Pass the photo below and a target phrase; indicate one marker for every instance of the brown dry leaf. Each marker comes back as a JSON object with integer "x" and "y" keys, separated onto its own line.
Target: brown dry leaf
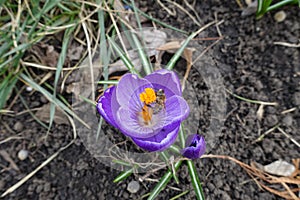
{"x": 169, "y": 46}
{"x": 46, "y": 54}
{"x": 7, "y": 157}
{"x": 44, "y": 115}
{"x": 75, "y": 52}
{"x": 51, "y": 56}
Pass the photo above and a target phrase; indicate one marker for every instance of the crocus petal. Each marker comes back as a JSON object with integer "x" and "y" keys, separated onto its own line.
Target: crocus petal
{"x": 195, "y": 147}
{"x": 106, "y": 105}
{"x": 166, "y": 80}
{"x": 129, "y": 124}
{"x": 177, "y": 109}
{"x": 129, "y": 89}
{"x": 161, "y": 141}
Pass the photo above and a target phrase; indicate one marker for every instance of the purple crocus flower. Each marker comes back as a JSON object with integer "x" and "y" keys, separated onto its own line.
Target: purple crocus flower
{"x": 149, "y": 110}
{"x": 195, "y": 146}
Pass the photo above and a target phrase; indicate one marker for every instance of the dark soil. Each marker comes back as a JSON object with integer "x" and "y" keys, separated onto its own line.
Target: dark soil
{"x": 252, "y": 66}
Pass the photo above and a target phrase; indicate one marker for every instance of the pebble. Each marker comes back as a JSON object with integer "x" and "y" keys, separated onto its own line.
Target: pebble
{"x": 2, "y": 184}
{"x": 39, "y": 189}
{"x": 297, "y": 98}
{"x": 18, "y": 126}
{"x": 23, "y": 154}
{"x": 280, "y": 168}
{"x": 271, "y": 120}
{"x": 133, "y": 187}
{"x": 28, "y": 89}
{"x": 44, "y": 100}
{"x": 288, "y": 120}
{"x": 125, "y": 195}
{"x": 47, "y": 187}
{"x": 259, "y": 85}
{"x": 280, "y": 16}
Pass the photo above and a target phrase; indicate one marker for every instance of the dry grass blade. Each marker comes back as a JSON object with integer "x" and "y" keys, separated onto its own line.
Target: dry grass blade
{"x": 7, "y": 157}
{"x": 289, "y": 137}
{"x": 185, "y": 11}
{"x": 287, "y": 44}
{"x": 262, "y": 178}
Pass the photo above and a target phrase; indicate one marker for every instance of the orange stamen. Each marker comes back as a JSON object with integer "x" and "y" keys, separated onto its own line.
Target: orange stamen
{"x": 147, "y": 114}
{"x": 148, "y": 96}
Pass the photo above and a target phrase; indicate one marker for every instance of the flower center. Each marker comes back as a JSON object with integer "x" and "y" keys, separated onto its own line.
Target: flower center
{"x": 148, "y": 96}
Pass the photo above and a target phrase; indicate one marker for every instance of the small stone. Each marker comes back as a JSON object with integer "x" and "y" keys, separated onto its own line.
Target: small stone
{"x": 271, "y": 120}
{"x": 280, "y": 168}
{"x": 125, "y": 195}
{"x": 280, "y": 16}
{"x": 2, "y": 184}
{"x": 44, "y": 100}
{"x": 22, "y": 154}
{"x": 259, "y": 85}
{"x": 297, "y": 98}
{"x": 28, "y": 89}
{"x": 133, "y": 187}
{"x": 47, "y": 187}
{"x": 288, "y": 120}
{"x": 39, "y": 189}
{"x": 18, "y": 126}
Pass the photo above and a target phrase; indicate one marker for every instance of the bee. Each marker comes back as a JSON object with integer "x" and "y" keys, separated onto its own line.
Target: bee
{"x": 152, "y": 108}
{"x": 160, "y": 102}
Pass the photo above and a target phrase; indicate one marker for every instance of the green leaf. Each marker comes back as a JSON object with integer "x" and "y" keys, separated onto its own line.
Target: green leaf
{"x": 123, "y": 175}
{"x": 59, "y": 67}
{"x": 123, "y": 57}
{"x": 50, "y": 97}
{"x": 178, "y": 53}
{"x": 195, "y": 180}
{"x": 163, "y": 182}
{"x": 145, "y": 61}
{"x": 110, "y": 82}
{"x": 6, "y": 87}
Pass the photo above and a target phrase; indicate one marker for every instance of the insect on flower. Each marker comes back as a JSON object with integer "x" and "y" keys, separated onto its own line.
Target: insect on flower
{"x": 149, "y": 110}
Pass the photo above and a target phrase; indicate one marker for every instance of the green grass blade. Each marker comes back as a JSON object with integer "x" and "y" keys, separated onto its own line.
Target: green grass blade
{"x": 282, "y": 3}
{"x": 175, "y": 149}
{"x": 30, "y": 112}
{"x": 121, "y": 162}
{"x": 123, "y": 175}
{"x": 123, "y": 57}
{"x": 109, "y": 82}
{"x": 253, "y": 101}
{"x": 49, "y": 96}
{"x": 99, "y": 128}
{"x": 195, "y": 180}
{"x": 163, "y": 182}
{"x": 180, "y": 195}
{"x": 182, "y": 136}
{"x": 145, "y": 61}
{"x": 49, "y": 4}
{"x": 178, "y": 53}
{"x": 60, "y": 64}
{"x": 6, "y": 88}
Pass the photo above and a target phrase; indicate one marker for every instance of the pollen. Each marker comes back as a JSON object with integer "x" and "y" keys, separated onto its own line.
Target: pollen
{"x": 147, "y": 115}
{"x": 148, "y": 96}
